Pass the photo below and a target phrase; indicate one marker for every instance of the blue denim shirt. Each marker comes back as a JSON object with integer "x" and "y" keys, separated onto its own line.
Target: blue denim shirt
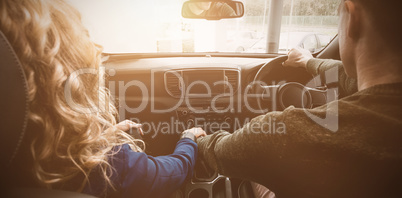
{"x": 137, "y": 174}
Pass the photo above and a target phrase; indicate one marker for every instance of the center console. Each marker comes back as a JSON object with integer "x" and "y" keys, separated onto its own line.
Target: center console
{"x": 207, "y": 95}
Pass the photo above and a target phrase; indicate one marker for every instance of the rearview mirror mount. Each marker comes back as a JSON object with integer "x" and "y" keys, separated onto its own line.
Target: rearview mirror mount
{"x": 212, "y": 9}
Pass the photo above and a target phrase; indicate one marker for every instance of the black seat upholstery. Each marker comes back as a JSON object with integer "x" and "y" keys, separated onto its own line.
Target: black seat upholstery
{"x": 44, "y": 193}
{"x": 13, "y": 123}
{"x": 14, "y": 103}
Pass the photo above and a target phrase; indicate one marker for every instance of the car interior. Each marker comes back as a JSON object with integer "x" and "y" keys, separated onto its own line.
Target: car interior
{"x": 154, "y": 88}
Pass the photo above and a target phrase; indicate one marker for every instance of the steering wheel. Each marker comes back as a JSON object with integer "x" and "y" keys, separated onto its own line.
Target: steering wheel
{"x": 287, "y": 87}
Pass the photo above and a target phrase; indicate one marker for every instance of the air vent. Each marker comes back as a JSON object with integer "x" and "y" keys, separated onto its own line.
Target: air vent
{"x": 233, "y": 79}
{"x": 172, "y": 83}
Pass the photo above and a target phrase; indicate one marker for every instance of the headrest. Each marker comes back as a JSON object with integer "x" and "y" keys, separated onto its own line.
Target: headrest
{"x": 13, "y": 103}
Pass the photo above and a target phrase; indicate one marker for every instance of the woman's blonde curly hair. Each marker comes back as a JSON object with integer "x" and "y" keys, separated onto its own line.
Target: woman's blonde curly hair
{"x": 52, "y": 43}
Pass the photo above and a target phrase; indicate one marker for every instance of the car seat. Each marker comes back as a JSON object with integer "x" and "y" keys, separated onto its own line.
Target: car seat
{"x": 13, "y": 124}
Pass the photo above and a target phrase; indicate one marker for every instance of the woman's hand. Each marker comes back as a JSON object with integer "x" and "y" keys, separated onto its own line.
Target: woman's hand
{"x": 197, "y": 131}
{"x": 128, "y": 124}
{"x": 298, "y": 57}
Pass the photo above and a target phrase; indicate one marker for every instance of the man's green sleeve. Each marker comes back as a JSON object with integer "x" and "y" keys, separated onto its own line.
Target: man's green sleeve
{"x": 346, "y": 85}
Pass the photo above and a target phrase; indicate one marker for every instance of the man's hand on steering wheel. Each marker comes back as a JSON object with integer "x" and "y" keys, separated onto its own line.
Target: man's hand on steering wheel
{"x": 298, "y": 57}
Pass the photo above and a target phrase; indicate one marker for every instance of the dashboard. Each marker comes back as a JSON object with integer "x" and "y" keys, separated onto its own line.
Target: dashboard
{"x": 171, "y": 94}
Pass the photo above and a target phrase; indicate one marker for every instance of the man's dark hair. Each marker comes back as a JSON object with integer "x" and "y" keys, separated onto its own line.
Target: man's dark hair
{"x": 385, "y": 16}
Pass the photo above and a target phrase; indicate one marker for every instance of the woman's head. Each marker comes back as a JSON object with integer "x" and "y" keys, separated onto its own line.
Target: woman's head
{"x": 52, "y": 43}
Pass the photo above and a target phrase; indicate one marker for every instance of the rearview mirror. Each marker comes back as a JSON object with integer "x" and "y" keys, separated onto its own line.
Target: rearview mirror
{"x": 212, "y": 10}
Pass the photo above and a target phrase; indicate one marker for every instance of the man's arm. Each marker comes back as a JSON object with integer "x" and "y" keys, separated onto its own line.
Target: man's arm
{"x": 299, "y": 57}
{"x": 285, "y": 151}
{"x": 248, "y": 151}
{"x": 277, "y": 150}
{"x": 346, "y": 85}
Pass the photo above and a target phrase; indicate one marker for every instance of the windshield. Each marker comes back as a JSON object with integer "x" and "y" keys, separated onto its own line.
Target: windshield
{"x": 137, "y": 26}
